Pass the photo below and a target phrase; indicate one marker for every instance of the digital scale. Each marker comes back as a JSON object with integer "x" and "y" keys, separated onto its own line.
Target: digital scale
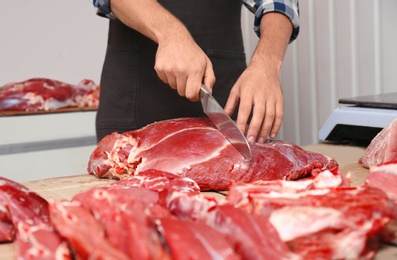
{"x": 357, "y": 120}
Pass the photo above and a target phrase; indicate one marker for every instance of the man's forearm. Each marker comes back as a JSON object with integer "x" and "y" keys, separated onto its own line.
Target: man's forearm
{"x": 149, "y": 18}
{"x": 275, "y": 34}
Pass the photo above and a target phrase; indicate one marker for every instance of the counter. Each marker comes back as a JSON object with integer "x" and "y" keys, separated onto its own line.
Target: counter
{"x": 66, "y": 187}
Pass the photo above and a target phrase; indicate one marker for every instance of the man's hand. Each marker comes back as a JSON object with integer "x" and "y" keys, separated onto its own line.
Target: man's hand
{"x": 182, "y": 64}
{"x": 258, "y": 90}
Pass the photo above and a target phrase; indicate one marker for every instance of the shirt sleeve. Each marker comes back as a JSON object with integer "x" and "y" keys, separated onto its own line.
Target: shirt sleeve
{"x": 103, "y": 8}
{"x": 289, "y": 8}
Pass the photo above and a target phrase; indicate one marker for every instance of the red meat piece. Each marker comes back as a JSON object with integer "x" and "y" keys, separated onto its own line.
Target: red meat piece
{"x": 163, "y": 183}
{"x": 82, "y": 231}
{"x": 120, "y": 210}
{"x": 322, "y": 223}
{"x": 252, "y": 236}
{"x": 383, "y": 148}
{"x": 384, "y": 177}
{"x": 194, "y": 148}
{"x": 195, "y": 240}
{"x": 41, "y": 94}
{"x": 29, "y": 215}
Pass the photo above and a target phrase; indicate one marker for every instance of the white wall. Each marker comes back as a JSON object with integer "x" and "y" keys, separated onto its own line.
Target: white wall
{"x": 59, "y": 39}
{"x": 346, "y": 48}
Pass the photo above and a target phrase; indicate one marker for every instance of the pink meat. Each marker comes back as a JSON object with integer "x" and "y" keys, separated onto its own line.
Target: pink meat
{"x": 322, "y": 222}
{"x": 28, "y": 214}
{"x": 383, "y": 148}
{"x": 194, "y": 148}
{"x": 164, "y": 183}
{"x": 7, "y": 232}
{"x": 41, "y": 94}
{"x": 252, "y": 236}
{"x": 82, "y": 231}
{"x": 384, "y": 177}
{"x": 195, "y": 240}
{"x": 120, "y": 210}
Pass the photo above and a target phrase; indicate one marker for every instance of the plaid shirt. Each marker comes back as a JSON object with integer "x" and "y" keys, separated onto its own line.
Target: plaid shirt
{"x": 289, "y": 8}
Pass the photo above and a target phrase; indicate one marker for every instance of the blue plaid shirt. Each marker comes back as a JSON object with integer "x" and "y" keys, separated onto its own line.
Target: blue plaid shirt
{"x": 289, "y": 8}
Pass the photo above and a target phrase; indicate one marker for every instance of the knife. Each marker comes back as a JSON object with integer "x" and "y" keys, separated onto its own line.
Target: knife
{"x": 224, "y": 123}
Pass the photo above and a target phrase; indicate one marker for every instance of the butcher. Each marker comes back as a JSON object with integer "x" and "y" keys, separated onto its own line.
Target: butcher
{"x": 184, "y": 43}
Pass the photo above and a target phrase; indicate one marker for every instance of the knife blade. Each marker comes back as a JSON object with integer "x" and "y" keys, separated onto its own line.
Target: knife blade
{"x": 224, "y": 123}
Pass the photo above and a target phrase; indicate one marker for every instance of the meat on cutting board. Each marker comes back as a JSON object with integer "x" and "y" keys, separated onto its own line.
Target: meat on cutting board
{"x": 194, "y": 148}
{"x": 315, "y": 218}
{"x": 82, "y": 231}
{"x": 42, "y": 94}
{"x": 121, "y": 212}
{"x": 383, "y": 148}
{"x": 384, "y": 177}
{"x": 199, "y": 240}
{"x": 322, "y": 222}
{"x": 252, "y": 236}
{"x": 28, "y": 214}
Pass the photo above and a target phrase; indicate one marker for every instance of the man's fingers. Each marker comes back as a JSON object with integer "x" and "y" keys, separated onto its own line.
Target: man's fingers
{"x": 278, "y": 120}
{"x": 181, "y": 86}
{"x": 243, "y": 114}
{"x": 231, "y": 103}
{"x": 256, "y": 125}
{"x": 193, "y": 85}
{"x": 209, "y": 76}
{"x": 267, "y": 124}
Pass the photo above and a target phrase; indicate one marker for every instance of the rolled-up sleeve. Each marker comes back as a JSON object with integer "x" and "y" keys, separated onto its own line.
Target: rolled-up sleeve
{"x": 103, "y": 8}
{"x": 289, "y": 8}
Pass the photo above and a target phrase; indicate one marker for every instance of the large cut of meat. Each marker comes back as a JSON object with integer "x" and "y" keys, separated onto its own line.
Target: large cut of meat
{"x": 321, "y": 222}
{"x": 42, "y": 94}
{"x": 194, "y": 148}
{"x": 383, "y": 148}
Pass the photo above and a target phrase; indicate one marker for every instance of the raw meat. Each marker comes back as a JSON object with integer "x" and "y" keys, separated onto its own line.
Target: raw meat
{"x": 383, "y": 148}
{"x": 42, "y": 94}
{"x": 158, "y": 215}
{"x": 164, "y": 183}
{"x": 194, "y": 148}
{"x": 320, "y": 222}
{"x": 82, "y": 231}
{"x": 28, "y": 214}
{"x": 252, "y": 236}
{"x": 384, "y": 177}
{"x": 120, "y": 210}
{"x": 195, "y": 240}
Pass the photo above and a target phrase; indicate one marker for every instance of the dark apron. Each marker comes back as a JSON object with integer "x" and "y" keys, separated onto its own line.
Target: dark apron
{"x": 132, "y": 95}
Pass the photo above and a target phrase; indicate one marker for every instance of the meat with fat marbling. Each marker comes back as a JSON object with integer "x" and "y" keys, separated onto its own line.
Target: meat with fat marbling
{"x": 42, "y": 94}
{"x": 321, "y": 222}
{"x": 194, "y": 148}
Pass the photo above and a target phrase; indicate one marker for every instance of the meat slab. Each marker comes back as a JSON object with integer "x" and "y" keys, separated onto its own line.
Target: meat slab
{"x": 321, "y": 222}
{"x": 383, "y": 148}
{"x": 42, "y": 94}
{"x": 194, "y": 148}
